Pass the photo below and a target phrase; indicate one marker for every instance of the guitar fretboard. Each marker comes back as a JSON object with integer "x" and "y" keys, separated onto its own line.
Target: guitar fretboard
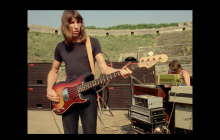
{"x": 102, "y": 79}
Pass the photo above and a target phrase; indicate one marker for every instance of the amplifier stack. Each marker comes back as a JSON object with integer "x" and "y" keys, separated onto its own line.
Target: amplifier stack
{"x": 117, "y": 94}
{"x": 148, "y": 115}
{"x": 37, "y": 86}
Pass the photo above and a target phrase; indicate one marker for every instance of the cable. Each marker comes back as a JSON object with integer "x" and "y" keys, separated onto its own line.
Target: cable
{"x": 136, "y": 79}
{"x": 55, "y": 122}
{"x": 173, "y": 103}
{"x": 125, "y": 129}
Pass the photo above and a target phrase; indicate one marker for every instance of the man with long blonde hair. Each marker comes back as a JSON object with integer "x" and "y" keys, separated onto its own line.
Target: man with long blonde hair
{"x": 74, "y": 54}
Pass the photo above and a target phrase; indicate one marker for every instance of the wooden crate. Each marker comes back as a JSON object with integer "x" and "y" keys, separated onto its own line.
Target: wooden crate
{"x": 37, "y": 98}
{"x": 37, "y": 73}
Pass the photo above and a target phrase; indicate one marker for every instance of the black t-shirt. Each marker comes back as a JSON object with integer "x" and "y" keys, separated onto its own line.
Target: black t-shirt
{"x": 76, "y": 58}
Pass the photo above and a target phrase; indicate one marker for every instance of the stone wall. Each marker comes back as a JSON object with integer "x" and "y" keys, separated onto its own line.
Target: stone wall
{"x": 163, "y": 69}
{"x": 123, "y": 56}
{"x": 94, "y": 32}
{"x": 43, "y": 29}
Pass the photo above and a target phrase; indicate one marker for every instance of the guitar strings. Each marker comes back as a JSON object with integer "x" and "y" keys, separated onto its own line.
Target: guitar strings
{"x": 90, "y": 84}
{"x": 73, "y": 89}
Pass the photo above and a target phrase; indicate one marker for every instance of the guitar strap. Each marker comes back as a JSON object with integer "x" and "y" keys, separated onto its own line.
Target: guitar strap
{"x": 89, "y": 52}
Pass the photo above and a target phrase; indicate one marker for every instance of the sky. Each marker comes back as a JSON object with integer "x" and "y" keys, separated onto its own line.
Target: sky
{"x": 107, "y": 18}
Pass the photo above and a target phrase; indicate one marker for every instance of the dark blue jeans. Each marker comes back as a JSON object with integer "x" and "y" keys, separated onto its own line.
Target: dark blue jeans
{"x": 87, "y": 112}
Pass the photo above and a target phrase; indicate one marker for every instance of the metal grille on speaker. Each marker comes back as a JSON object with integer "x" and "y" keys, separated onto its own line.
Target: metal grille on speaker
{"x": 37, "y": 86}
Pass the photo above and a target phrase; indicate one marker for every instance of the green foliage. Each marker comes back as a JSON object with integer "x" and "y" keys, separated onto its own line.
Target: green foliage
{"x": 135, "y": 26}
{"x": 42, "y": 45}
{"x": 37, "y": 33}
{"x": 90, "y": 27}
{"x": 181, "y": 62}
{"x": 37, "y": 54}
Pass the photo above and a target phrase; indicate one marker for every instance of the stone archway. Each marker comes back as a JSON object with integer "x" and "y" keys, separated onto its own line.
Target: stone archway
{"x": 56, "y": 32}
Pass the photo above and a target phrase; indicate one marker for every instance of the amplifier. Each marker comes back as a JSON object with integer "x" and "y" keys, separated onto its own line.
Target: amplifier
{"x": 153, "y": 119}
{"x": 142, "y": 74}
{"x": 183, "y": 116}
{"x": 117, "y": 96}
{"x": 37, "y": 73}
{"x": 149, "y": 112}
{"x": 146, "y": 128}
{"x": 148, "y": 101}
{"x": 169, "y": 79}
{"x": 183, "y": 94}
{"x": 37, "y": 98}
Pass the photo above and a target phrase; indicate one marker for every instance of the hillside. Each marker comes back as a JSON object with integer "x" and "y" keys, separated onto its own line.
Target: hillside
{"x": 41, "y": 46}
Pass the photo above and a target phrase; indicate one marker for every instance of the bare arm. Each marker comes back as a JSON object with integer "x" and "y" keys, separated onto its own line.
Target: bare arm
{"x": 106, "y": 70}
{"x": 186, "y": 78}
{"x": 51, "y": 80}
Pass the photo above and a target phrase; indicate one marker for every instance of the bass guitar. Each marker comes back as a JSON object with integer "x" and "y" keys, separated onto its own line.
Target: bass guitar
{"x": 70, "y": 93}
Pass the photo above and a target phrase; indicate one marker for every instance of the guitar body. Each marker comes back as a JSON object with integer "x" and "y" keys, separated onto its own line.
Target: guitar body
{"x": 68, "y": 94}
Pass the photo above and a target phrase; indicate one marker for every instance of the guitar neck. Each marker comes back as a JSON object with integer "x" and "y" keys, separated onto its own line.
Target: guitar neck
{"x": 103, "y": 79}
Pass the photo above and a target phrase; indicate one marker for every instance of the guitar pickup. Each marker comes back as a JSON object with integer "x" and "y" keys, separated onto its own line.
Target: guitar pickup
{"x": 65, "y": 94}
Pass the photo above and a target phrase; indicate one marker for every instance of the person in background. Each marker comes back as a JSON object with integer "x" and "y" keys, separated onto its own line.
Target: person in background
{"x": 176, "y": 68}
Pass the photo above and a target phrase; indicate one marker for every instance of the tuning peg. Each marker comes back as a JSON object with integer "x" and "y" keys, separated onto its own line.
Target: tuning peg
{"x": 150, "y": 53}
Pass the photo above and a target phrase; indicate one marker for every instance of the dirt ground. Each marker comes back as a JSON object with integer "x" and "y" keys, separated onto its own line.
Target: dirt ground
{"x": 42, "y": 122}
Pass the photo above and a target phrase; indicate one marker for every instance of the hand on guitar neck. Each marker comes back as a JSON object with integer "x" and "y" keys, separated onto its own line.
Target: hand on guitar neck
{"x": 125, "y": 71}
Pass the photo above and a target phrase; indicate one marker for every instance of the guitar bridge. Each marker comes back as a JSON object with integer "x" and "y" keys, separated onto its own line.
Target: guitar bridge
{"x": 65, "y": 94}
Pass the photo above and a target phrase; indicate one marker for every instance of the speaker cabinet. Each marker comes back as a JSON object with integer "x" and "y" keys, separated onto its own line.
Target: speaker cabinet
{"x": 117, "y": 97}
{"x": 37, "y": 73}
{"x": 37, "y": 98}
{"x": 142, "y": 74}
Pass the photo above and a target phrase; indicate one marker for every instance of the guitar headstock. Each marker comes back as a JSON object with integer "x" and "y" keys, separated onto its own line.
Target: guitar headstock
{"x": 152, "y": 60}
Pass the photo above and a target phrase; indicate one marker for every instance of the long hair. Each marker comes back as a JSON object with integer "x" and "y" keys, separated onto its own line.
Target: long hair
{"x": 175, "y": 66}
{"x": 67, "y": 32}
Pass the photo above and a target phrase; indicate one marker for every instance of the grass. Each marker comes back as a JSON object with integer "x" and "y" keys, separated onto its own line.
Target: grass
{"x": 41, "y": 46}
{"x": 113, "y": 46}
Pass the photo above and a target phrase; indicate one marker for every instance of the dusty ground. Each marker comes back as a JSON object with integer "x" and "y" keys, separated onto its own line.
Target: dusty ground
{"x": 42, "y": 122}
